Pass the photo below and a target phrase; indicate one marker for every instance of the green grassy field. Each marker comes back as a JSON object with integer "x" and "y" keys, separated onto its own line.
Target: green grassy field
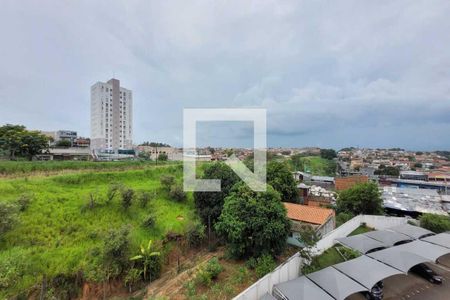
{"x": 319, "y": 166}
{"x": 20, "y": 168}
{"x": 55, "y": 235}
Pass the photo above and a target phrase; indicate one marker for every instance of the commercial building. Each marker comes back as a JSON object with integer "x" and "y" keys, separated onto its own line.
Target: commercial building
{"x": 111, "y": 116}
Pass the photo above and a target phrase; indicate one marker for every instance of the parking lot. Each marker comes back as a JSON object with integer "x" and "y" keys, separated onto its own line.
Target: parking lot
{"x": 413, "y": 287}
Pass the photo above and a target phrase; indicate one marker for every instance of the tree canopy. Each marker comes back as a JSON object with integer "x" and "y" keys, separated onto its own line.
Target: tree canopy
{"x": 280, "y": 178}
{"x": 253, "y": 223}
{"x": 328, "y": 153}
{"x": 18, "y": 141}
{"x": 363, "y": 198}
{"x": 209, "y": 204}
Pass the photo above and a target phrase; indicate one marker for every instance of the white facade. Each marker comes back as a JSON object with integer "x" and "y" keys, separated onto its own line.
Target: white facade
{"x": 111, "y": 116}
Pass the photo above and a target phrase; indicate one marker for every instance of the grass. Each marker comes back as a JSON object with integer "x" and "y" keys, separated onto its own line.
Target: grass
{"x": 361, "y": 229}
{"x": 19, "y": 168}
{"x": 317, "y": 165}
{"x": 55, "y": 235}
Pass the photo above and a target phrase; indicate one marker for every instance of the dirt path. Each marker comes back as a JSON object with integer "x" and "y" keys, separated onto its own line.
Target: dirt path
{"x": 170, "y": 284}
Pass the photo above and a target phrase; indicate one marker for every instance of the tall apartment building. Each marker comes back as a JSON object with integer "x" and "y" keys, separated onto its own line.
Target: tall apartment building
{"x": 111, "y": 116}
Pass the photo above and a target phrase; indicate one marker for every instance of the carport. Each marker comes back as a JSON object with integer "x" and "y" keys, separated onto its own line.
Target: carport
{"x": 300, "y": 288}
{"x": 441, "y": 239}
{"x": 414, "y": 232}
{"x": 424, "y": 249}
{"x": 267, "y": 296}
{"x": 361, "y": 243}
{"x": 389, "y": 238}
{"x": 366, "y": 271}
{"x": 400, "y": 259}
{"x": 335, "y": 283}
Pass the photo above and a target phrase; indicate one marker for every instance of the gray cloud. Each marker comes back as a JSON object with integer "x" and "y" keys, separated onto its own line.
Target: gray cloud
{"x": 367, "y": 73}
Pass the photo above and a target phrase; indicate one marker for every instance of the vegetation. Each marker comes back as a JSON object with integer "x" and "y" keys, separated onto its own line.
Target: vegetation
{"x": 163, "y": 157}
{"x": 16, "y": 140}
{"x": 209, "y": 204}
{"x": 329, "y": 257}
{"x": 63, "y": 144}
{"x": 343, "y": 217}
{"x": 280, "y": 178}
{"x": 59, "y": 234}
{"x": 154, "y": 144}
{"x": 315, "y": 165}
{"x": 435, "y": 223}
{"x": 20, "y": 168}
{"x": 361, "y": 229}
{"x": 363, "y": 198}
{"x": 253, "y": 223}
{"x": 262, "y": 265}
{"x": 388, "y": 171}
{"x": 150, "y": 261}
{"x": 328, "y": 153}
{"x": 209, "y": 272}
{"x": 176, "y": 193}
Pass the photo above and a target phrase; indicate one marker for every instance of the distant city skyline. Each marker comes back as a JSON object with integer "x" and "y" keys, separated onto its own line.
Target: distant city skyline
{"x": 351, "y": 73}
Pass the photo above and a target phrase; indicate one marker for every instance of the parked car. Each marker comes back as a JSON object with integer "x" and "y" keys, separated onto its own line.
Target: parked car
{"x": 424, "y": 271}
{"x": 376, "y": 293}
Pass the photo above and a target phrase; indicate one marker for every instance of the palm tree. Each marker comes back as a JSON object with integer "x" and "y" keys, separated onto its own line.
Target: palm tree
{"x": 146, "y": 256}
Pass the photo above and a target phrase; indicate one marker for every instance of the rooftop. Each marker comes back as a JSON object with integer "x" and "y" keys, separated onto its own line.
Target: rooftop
{"x": 308, "y": 214}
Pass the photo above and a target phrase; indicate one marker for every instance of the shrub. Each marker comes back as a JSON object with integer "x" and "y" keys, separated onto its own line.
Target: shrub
{"x": 8, "y": 216}
{"x": 149, "y": 221}
{"x": 127, "y": 197}
{"x": 145, "y": 199}
{"x": 177, "y": 193}
{"x": 343, "y": 217}
{"x": 195, "y": 235}
{"x": 24, "y": 201}
{"x": 262, "y": 265}
{"x": 209, "y": 272}
{"x": 163, "y": 157}
{"x": 112, "y": 191}
{"x": 115, "y": 250}
{"x": 435, "y": 223}
{"x": 167, "y": 181}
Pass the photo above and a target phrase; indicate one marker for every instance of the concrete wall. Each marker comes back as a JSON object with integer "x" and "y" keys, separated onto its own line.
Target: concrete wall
{"x": 291, "y": 268}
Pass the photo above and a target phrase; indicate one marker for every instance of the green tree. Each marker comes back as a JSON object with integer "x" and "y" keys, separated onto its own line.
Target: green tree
{"x": 363, "y": 198}
{"x": 253, "y": 223}
{"x": 150, "y": 260}
{"x": 328, "y": 153}
{"x": 298, "y": 162}
{"x": 33, "y": 143}
{"x": 209, "y": 204}
{"x": 388, "y": 171}
{"x": 11, "y": 139}
{"x": 280, "y": 178}
{"x": 435, "y": 223}
{"x": 63, "y": 144}
{"x": 163, "y": 157}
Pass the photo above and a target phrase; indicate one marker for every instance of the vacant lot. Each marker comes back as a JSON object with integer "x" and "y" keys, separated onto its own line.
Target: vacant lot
{"x": 59, "y": 233}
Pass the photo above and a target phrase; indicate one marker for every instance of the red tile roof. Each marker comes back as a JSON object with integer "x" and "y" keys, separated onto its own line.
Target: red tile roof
{"x": 308, "y": 214}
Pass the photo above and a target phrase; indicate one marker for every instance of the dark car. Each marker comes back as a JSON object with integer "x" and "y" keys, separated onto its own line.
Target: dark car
{"x": 425, "y": 272}
{"x": 376, "y": 293}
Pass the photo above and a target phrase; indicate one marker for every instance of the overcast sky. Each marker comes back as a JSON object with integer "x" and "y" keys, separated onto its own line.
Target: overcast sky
{"x": 329, "y": 73}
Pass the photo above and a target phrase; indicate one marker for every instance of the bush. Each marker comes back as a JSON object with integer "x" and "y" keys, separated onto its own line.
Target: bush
{"x": 163, "y": 157}
{"x": 435, "y": 223}
{"x": 127, "y": 198}
{"x": 145, "y": 199}
{"x": 24, "y": 201}
{"x": 8, "y": 216}
{"x": 167, "y": 181}
{"x": 209, "y": 272}
{"x": 112, "y": 191}
{"x": 262, "y": 265}
{"x": 195, "y": 235}
{"x": 115, "y": 250}
{"x": 149, "y": 221}
{"x": 343, "y": 217}
{"x": 177, "y": 193}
